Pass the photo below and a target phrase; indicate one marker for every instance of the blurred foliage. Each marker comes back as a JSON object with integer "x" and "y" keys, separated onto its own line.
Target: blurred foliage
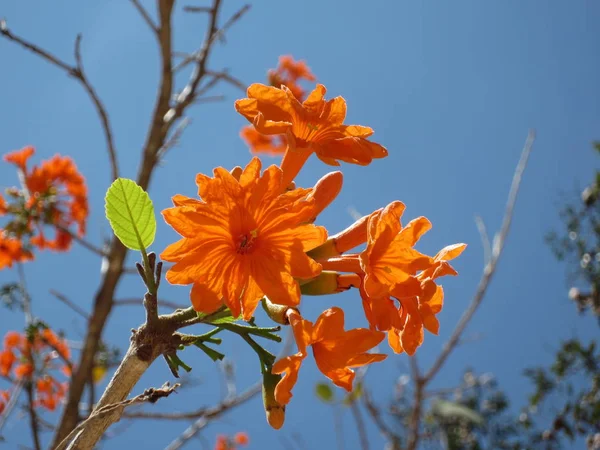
{"x": 571, "y": 387}
{"x": 471, "y": 416}
{"x": 564, "y": 408}
{"x": 10, "y": 296}
{"x": 579, "y": 244}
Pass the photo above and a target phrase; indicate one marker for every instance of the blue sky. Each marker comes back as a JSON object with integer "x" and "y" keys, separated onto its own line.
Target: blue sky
{"x": 450, "y": 90}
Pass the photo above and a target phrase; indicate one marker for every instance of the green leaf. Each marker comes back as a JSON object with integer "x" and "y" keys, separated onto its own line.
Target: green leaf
{"x": 131, "y": 214}
{"x": 324, "y": 392}
{"x": 446, "y": 409}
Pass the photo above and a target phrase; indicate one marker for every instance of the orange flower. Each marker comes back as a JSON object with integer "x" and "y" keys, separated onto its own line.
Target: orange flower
{"x": 52, "y": 193}
{"x": 24, "y": 370}
{"x": 37, "y": 356}
{"x": 4, "y": 398}
{"x": 288, "y": 73}
{"x": 3, "y": 206}
{"x": 60, "y": 176}
{"x": 314, "y": 126}
{"x": 389, "y": 258}
{"x": 243, "y": 240}
{"x": 398, "y": 290}
{"x": 7, "y": 359}
{"x": 50, "y": 392}
{"x": 260, "y": 143}
{"x": 336, "y": 351}
{"x": 241, "y": 438}
{"x": 295, "y": 70}
{"x": 20, "y": 157}
{"x": 11, "y": 251}
{"x": 222, "y": 443}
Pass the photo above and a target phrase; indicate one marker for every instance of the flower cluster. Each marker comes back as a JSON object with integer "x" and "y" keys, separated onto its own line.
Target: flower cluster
{"x": 227, "y": 443}
{"x": 288, "y": 73}
{"x": 4, "y": 398}
{"x": 34, "y": 357}
{"x": 53, "y": 193}
{"x": 252, "y": 236}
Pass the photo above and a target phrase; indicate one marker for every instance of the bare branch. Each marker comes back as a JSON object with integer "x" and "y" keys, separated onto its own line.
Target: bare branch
{"x": 197, "y": 9}
{"x": 385, "y": 431}
{"x": 485, "y": 239}
{"x": 78, "y": 73}
{"x": 415, "y": 416}
{"x": 138, "y": 302}
{"x": 145, "y": 16}
{"x": 91, "y": 247}
{"x": 12, "y": 402}
{"x": 211, "y": 414}
{"x": 490, "y": 267}
{"x": 360, "y": 425}
{"x": 70, "y": 304}
{"x": 204, "y": 413}
{"x": 188, "y": 94}
{"x": 33, "y": 419}
{"x": 151, "y": 395}
{"x": 224, "y": 75}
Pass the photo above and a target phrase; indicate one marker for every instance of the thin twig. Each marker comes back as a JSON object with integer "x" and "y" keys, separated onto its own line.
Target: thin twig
{"x": 385, "y": 431}
{"x": 415, "y": 416}
{"x": 338, "y": 426}
{"x": 188, "y": 94}
{"x": 490, "y": 267}
{"x": 145, "y": 16}
{"x": 485, "y": 239}
{"x": 24, "y": 295}
{"x": 224, "y": 75}
{"x": 211, "y": 414}
{"x": 204, "y": 413}
{"x": 197, "y": 9}
{"x": 78, "y": 73}
{"x": 12, "y": 402}
{"x": 360, "y": 425}
{"x": 70, "y": 304}
{"x": 150, "y": 395}
{"x": 91, "y": 247}
{"x": 138, "y": 302}
{"x": 173, "y": 140}
{"x": 33, "y": 420}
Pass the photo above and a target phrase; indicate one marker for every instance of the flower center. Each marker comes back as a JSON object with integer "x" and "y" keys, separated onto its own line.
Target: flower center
{"x": 246, "y": 242}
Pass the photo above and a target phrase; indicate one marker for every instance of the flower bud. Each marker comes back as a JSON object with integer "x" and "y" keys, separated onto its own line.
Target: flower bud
{"x": 275, "y": 412}
{"x": 277, "y": 313}
{"x": 353, "y": 236}
{"x": 325, "y": 191}
{"x": 330, "y": 282}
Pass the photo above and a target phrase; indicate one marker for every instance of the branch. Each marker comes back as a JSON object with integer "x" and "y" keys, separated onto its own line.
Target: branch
{"x": 78, "y": 73}
{"x": 490, "y": 267}
{"x": 204, "y": 413}
{"x": 188, "y": 94}
{"x": 151, "y": 395}
{"x": 360, "y": 425}
{"x": 145, "y": 16}
{"x": 224, "y": 75}
{"x": 138, "y": 302}
{"x": 91, "y": 247}
{"x": 211, "y": 414}
{"x": 12, "y": 402}
{"x": 33, "y": 420}
{"x": 103, "y": 300}
{"x": 385, "y": 431}
{"x": 415, "y": 417}
{"x": 70, "y": 304}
